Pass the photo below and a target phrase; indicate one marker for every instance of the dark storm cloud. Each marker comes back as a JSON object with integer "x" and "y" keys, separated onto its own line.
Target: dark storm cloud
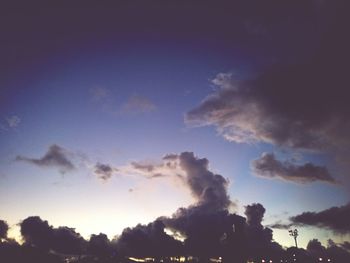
{"x": 335, "y": 218}
{"x": 268, "y": 166}
{"x": 56, "y": 156}
{"x": 3, "y": 229}
{"x": 284, "y": 107}
{"x": 39, "y": 233}
{"x": 104, "y": 171}
{"x": 299, "y": 104}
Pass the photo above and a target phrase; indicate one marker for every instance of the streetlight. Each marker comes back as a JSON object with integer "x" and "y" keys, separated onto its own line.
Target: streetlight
{"x": 294, "y": 234}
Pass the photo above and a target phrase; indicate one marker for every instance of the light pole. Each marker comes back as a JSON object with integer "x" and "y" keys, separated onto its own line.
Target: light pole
{"x": 294, "y": 234}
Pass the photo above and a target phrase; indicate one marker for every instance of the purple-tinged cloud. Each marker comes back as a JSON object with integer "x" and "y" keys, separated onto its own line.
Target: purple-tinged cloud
{"x": 104, "y": 171}
{"x": 267, "y": 166}
{"x": 56, "y": 156}
{"x": 208, "y": 188}
{"x": 297, "y": 106}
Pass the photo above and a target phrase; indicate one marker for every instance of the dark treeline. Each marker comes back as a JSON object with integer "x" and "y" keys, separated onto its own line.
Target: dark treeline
{"x": 244, "y": 239}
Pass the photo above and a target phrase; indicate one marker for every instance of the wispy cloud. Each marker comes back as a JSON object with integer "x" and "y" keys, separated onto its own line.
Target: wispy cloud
{"x": 56, "y": 156}
{"x": 138, "y": 104}
{"x": 13, "y": 121}
{"x": 10, "y": 123}
{"x": 110, "y": 103}
{"x": 99, "y": 93}
{"x": 104, "y": 171}
{"x": 208, "y": 188}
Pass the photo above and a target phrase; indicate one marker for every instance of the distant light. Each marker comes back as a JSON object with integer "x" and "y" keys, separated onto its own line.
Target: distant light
{"x": 263, "y": 260}
{"x": 329, "y": 260}
{"x": 320, "y": 259}
{"x": 137, "y": 259}
{"x": 270, "y": 261}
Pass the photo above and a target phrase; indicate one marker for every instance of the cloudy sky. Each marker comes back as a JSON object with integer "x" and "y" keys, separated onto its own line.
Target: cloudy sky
{"x": 110, "y": 114}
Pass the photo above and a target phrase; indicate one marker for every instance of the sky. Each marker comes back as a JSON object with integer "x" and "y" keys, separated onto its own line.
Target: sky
{"x": 104, "y": 107}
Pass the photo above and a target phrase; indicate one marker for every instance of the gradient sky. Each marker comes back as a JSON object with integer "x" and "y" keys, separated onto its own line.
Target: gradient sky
{"x": 114, "y": 84}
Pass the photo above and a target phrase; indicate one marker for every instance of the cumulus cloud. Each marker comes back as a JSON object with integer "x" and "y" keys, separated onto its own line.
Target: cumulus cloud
{"x": 104, "y": 171}
{"x": 300, "y": 105}
{"x": 138, "y": 104}
{"x": 284, "y": 106}
{"x": 267, "y": 166}
{"x": 335, "y": 218}
{"x": 56, "y": 156}
{"x": 207, "y": 226}
{"x": 206, "y": 187}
